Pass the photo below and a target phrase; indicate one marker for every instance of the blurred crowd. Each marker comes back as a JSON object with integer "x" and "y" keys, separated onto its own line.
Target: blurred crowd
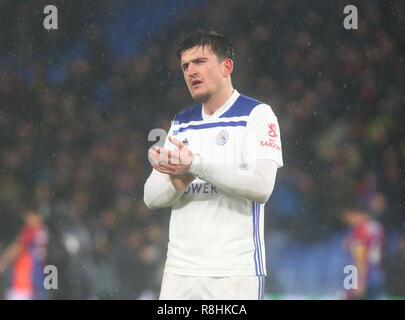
{"x": 74, "y": 146}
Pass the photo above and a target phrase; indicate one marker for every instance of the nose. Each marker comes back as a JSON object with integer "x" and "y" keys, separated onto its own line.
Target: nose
{"x": 190, "y": 70}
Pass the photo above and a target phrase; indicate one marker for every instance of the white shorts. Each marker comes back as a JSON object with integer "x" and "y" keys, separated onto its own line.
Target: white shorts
{"x": 179, "y": 287}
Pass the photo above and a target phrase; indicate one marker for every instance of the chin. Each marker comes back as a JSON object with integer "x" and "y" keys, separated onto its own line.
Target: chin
{"x": 201, "y": 97}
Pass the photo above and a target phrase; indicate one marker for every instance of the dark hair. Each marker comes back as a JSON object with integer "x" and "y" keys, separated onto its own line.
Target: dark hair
{"x": 221, "y": 46}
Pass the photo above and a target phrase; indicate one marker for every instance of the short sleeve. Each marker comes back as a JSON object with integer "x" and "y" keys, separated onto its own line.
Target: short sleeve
{"x": 263, "y": 140}
{"x": 361, "y": 235}
{"x": 25, "y": 236}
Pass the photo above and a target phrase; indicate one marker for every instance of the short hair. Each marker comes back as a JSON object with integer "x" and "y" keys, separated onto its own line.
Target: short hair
{"x": 220, "y": 45}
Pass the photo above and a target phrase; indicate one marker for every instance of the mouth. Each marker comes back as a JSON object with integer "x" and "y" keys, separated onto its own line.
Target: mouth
{"x": 195, "y": 83}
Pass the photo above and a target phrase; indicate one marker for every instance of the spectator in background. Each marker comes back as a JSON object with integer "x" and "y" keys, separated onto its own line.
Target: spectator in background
{"x": 396, "y": 270}
{"x": 106, "y": 243}
{"x": 27, "y": 256}
{"x": 71, "y": 252}
{"x": 132, "y": 275}
{"x": 365, "y": 244}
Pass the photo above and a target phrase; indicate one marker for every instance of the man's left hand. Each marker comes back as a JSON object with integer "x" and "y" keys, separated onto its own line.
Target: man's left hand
{"x": 175, "y": 162}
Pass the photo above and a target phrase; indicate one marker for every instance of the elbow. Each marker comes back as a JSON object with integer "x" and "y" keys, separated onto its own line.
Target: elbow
{"x": 153, "y": 204}
{"x": 153, "y": 201}
{"x": 148, "y": 200}
{"x": 262, "y": 199}
{"x": 264, "y": 196}
{"x": 148, "y": 203}
{"x": 259, "y": 197}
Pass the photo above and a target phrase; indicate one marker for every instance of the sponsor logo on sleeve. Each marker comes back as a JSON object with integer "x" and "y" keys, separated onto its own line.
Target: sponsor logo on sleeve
{"x": 273, "y": 130}
{"x": 271, "y": 143}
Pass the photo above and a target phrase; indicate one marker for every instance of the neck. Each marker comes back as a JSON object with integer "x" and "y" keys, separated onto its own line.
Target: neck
{"x": 217, "y": 101}
{"x": 359, "y": 220}
{"x": 34, "y": 223}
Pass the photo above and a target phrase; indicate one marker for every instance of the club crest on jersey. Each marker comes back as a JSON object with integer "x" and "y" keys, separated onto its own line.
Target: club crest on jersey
{"x": 185, "y": 141}
{"x": 222, "y": 137}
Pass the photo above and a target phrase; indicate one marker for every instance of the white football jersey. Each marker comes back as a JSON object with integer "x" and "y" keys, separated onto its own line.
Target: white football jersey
{"x": 213, "y": 233}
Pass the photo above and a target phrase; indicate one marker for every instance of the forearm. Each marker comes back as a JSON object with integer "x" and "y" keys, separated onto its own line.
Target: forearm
{"x": 9, "y": 256}
{"x": 181, "y": 182}
{"x": 160, "y": 193}
{"x": 255, "y": 185}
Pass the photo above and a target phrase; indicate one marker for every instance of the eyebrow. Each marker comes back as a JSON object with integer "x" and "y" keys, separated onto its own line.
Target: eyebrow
{"x": 185, "y": 64}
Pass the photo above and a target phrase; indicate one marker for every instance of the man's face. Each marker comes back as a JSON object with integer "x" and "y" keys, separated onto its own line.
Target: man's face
{"x": 203, "y": 72}
{"x": 351, "y": 217}
{"x": 31, "y": 218}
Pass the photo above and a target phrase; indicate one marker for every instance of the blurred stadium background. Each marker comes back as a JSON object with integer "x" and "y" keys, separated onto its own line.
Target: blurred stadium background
{"x": 77, "y": 103}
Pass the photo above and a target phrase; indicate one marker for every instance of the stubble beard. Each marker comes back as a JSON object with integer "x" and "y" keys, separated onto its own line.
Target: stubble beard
{"x": 202, "y": 97}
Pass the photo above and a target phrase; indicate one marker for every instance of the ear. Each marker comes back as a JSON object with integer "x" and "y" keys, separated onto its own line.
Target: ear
{"x": 228, "y": 67}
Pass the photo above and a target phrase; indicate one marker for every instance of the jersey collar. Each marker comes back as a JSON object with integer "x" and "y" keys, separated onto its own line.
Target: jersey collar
{"x": 235, "y": 95}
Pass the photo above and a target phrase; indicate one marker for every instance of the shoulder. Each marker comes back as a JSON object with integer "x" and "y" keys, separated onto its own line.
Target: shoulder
{"x": 25, "y": 235}
{"x": 250, "y": 107}
{"x": 190, "y": 114}
{"x": 243, "y": 106}
{"x": 362, "y": 231}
